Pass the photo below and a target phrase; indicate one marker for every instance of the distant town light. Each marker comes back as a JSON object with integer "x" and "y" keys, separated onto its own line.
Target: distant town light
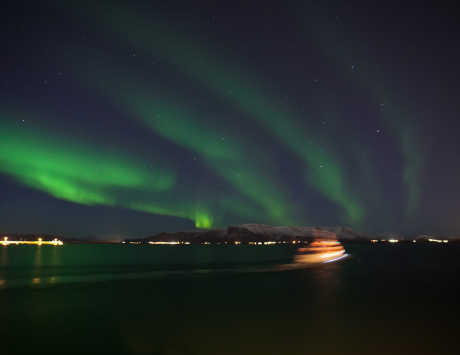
{"x": 36, "y": 242}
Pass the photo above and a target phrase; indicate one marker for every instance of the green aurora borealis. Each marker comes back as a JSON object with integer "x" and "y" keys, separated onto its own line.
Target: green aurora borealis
{"x": 145, "y": 109}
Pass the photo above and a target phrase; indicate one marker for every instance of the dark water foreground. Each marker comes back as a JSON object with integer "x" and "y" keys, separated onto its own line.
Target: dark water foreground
{"x": 119, "y": 299}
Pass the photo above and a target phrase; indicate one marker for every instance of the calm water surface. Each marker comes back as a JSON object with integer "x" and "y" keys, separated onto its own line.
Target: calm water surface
{"x": 206, "y": 299}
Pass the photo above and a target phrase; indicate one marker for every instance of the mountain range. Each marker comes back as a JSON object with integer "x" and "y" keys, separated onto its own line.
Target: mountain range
{"x": 246, "y": 233}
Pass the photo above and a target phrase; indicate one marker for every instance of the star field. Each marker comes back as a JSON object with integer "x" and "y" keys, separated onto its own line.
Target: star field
{"x": 126, "y": 119}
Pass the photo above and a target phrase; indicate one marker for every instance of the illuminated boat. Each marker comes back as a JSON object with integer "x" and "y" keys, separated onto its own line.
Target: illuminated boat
{"x": 323, "y": 247}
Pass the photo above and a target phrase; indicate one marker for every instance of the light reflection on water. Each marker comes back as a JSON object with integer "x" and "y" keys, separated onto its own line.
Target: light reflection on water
{"x": 153, "y": 307}
{"x": 46, "y": 270}
{"x": 3, "y": 256}
{"x": 335, "y": 308}
{"x": 3, "y": 264}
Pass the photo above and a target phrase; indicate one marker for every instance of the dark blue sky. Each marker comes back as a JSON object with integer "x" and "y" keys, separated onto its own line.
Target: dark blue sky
{"x": 124, "y": 119}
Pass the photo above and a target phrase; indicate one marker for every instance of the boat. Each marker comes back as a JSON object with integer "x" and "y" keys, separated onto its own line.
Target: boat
{"x": 324, "y": 246}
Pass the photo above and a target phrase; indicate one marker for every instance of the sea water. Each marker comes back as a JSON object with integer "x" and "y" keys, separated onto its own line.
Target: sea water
{"x": 228, "y": 299}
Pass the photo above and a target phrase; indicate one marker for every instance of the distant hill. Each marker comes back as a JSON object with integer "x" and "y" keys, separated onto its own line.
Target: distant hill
{"x": 348, "y": 235}
{"x": 246, "y": 233}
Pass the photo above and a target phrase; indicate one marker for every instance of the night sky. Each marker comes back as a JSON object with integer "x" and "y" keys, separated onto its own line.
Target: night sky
{"x": 125, "y": 119}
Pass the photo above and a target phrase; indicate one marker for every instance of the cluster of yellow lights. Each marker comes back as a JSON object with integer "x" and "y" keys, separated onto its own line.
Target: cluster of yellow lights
{"x": 37, "y": 242}
{"x": 169, "y": 243}
{"x": 252, "y": 243}
{"x": 414, "y": 241}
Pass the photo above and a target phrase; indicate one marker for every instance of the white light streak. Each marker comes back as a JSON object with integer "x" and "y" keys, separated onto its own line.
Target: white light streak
{"x": 340, "y": 257}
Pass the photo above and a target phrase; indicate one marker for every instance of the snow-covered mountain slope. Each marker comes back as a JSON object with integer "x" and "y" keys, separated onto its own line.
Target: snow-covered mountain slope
{"x": 255, "y": 233}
